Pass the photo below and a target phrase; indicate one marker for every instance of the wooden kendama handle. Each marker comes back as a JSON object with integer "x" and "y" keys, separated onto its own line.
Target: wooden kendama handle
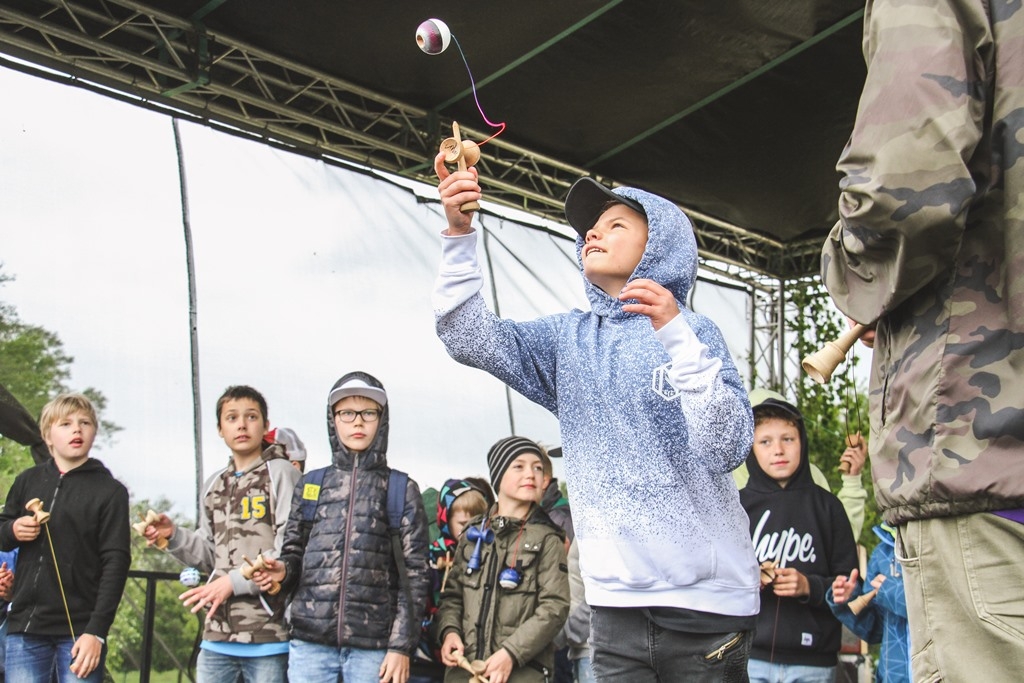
{"x": 250, "y": 567}
{"x": 858, "y": 604}
{"x": 151, "y": 517}
{"x": 767, "y": 572}
{"x": 464, "y": 154}
{"x": 35, "y": 506}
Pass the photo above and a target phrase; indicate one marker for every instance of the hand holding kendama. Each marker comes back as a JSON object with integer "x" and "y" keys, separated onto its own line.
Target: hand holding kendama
{"x": 463, "y": 153}
{"x": 259, "y": 565}
{"x": 852, "y": 459}
{"x": 153, "y": 519}
{"x": 35, "y": 506}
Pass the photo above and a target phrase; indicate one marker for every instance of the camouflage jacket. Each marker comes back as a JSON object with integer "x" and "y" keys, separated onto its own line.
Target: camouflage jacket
{"x": 930, "y": 244}
{"x": 242, "y": 515}
{"x": 525, "y": 619}
{"x": 341, "y": 565}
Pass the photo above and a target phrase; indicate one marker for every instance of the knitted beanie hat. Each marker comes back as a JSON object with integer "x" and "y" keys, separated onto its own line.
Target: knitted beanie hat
{"x": 504, "y": 452}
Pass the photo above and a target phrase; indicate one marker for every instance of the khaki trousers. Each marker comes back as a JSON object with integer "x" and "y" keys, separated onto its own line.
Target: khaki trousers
{"x": 964, "y": 578}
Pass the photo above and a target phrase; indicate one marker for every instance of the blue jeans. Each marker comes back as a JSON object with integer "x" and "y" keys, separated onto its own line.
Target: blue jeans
{"x": 582, "y": 671}
{"x": 214, "y": 667}
{"x": 763, "y": 672}
{"x": 627, "y": 647}
{"x": 31, "y": 659}
{"x": 314, "y": 663}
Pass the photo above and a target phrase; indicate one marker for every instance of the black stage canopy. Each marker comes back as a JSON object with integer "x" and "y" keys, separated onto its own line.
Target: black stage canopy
{"x": 735, "y": 109}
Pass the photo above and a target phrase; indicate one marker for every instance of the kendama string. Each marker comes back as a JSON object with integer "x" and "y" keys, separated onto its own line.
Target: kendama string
{"x": 60, "y": 583}
{"x": 472, "y": 82}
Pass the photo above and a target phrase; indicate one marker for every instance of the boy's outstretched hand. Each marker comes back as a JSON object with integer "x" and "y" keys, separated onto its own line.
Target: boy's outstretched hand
{"x": 163, "y": 527}
{"x": 210, "y": 596}
{"x": 842, "y": 587}
{"x": 652, "y": 300}
{"x": 457, "y": 188}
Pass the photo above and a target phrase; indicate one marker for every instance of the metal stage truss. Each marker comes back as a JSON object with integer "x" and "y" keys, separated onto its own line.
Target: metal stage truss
{"x": 177, "y": 65}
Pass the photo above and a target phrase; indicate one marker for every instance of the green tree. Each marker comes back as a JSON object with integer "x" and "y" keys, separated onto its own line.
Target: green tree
{"x": 36, "y": 368}
{"x": 175, "y": 629}
{"x": 833, "y": 410}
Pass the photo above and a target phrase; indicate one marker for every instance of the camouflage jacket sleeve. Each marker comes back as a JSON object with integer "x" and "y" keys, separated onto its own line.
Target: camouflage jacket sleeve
{"x": 196, "y": 548}
{"x": 907, "y": 181}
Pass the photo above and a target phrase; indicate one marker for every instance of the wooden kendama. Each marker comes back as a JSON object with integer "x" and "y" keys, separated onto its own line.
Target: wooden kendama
{"x": 35, "y": 506}
{"x": 475, "y": 668}
{"x": 767, "y": 573}
{"x": 151, "y": 517}
{"x": 446, "y": 563}
{"x": 462, "y": 153}
{"x": 858, "y": 604}
{"x": 259, "y": 564}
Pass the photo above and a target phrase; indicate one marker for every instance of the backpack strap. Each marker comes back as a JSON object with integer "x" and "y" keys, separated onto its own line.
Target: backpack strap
{"x": 311, "y": 483}
{"x": 398, "y": 482}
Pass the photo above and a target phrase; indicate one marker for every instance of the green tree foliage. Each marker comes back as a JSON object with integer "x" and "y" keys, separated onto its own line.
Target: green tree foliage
{"x": 36, "y": 368}
{"x": 176, "y": 629}
{"x": 837, "y": 408}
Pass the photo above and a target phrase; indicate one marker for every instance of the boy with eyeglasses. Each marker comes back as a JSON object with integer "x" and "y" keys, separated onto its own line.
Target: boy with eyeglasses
{"x": 350, "y": 613}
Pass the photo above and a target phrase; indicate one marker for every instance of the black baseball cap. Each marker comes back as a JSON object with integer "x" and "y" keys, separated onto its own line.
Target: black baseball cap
{"x": 585, "y": 201}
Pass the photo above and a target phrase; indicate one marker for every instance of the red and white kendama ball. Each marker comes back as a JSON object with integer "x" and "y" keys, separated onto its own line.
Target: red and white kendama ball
{"x": 433, "y": 36}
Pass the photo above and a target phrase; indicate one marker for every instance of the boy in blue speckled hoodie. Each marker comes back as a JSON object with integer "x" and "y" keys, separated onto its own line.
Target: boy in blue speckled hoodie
{"x": 653, "y": 418}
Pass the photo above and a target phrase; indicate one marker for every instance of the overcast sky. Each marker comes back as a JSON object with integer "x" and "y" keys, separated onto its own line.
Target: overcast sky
{"x": 303, "y": 271}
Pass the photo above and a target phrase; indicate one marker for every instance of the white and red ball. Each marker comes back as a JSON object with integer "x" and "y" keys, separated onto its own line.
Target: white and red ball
{"x": 433, "y": 36}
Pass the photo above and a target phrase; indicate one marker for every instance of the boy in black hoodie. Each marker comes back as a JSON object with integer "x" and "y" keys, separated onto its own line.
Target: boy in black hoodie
{"x": 803, "y": 540}
{"x": 59, "y": 620}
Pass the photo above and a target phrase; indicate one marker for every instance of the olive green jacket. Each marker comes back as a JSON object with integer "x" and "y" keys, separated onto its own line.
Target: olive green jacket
{"x": 524, "y": 620}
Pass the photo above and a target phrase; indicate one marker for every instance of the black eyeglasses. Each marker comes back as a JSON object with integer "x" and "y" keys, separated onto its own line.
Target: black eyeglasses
{"x": 369, "y": 415}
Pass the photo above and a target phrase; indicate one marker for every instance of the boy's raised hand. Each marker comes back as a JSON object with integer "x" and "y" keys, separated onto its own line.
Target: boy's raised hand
{"x": 265, "y": 578}
{"x": 842, "y": 587}
{"x": 457, "y": 188}
{"x": 854, "y": 455}
{"x": 652, "y": 300}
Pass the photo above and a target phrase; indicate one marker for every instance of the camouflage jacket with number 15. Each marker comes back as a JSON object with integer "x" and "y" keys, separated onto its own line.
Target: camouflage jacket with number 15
{"x": 243, "y": 514}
